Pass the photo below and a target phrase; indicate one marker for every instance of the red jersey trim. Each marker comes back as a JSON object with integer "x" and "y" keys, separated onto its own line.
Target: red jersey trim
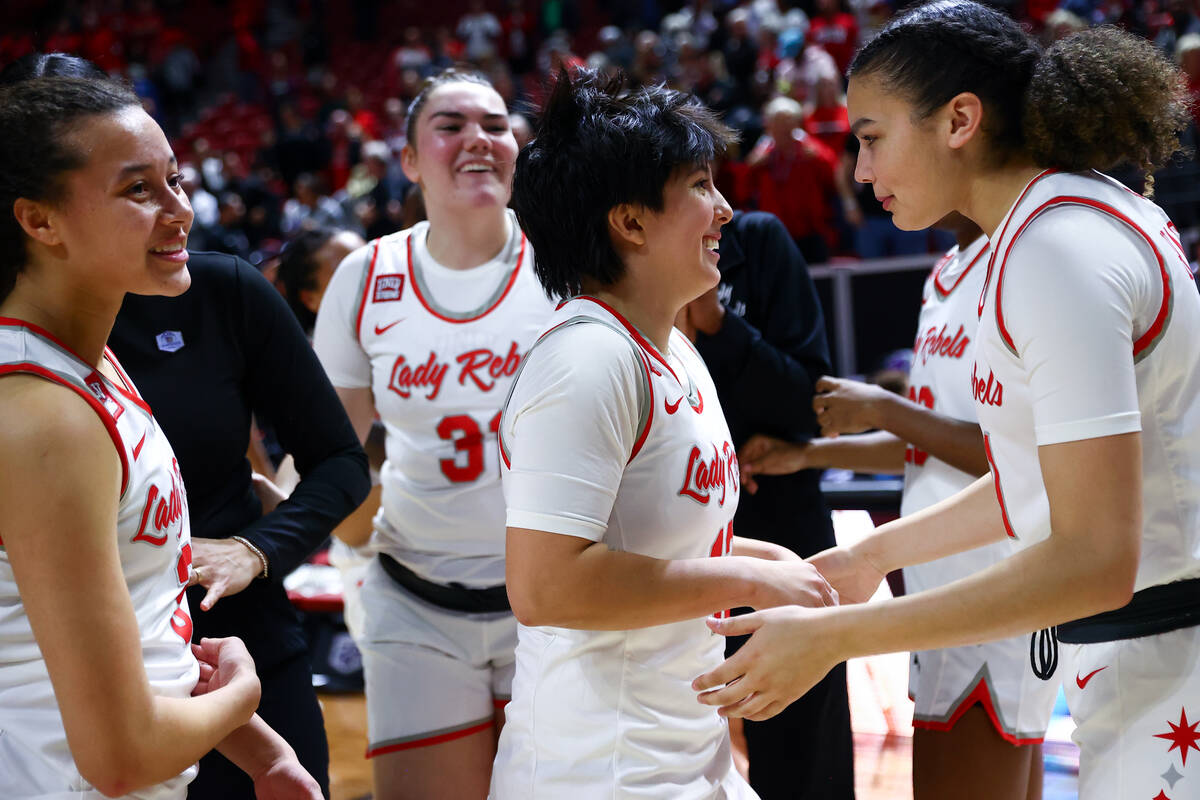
{"x": 430, "y": 740}
{"x": 942, "y": 291}
{"x": 992, "y": 261}
{"x": 367, "y": 284}
{"x": 128, "y": 391}
{"x": 109, "y": 423}
{"x": 416, "y": 286}
{"x": 983, "y": 696}
{"x": 1160, "y": 320}
{"x": 635, "y": 333}
{"x": 987, "y": 449}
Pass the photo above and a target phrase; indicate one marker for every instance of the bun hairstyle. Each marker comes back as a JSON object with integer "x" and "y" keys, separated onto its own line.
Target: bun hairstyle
{"x": 298, "y": 269}
{"x": 37, "y": 115}
{"x": 598, "y": 145}
{"x": 1095, "y": 99}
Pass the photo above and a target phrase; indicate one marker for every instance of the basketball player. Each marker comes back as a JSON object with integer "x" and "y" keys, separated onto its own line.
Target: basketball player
{"x": 1086, "y": 382}
{"x": 619, "y": 474}
{"x": 100, "y": 691}
{"x": 978, "y": 708}
{"x": 427, "y": 327}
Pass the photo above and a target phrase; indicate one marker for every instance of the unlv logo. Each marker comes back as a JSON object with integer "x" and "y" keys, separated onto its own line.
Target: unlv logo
{"x": 161, "y": 514}
{"x": 388, "y": 288}
{"x": 704, "y": 479}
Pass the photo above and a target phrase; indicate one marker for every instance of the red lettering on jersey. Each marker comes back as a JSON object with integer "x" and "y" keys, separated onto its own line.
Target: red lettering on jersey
{"x": 163, "y": 513}
{"x": 703, "y": 478}
{"x": 429, "y": 375}
{"x": 491, "y": 364}
{"x": 989, "y": 392}
{"x": 935, "y": 342}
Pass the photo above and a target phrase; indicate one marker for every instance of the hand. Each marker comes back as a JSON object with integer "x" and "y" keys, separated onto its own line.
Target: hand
{"x": 268, "y": 493}
{"x": 766, "y": 455}
{"x": 844, "y": 406}
{"x": 785, "y": 583}
{"x": 225, "y": 663}
{"x": 852, "y": 575}
{"x": 285, "y": 779}
{"x": 792, "y": 648}
{"x": 224, "y": 566}
{"x": 706, "y": 313}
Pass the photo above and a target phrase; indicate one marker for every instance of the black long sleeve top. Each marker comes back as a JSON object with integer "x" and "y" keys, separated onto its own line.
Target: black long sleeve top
{"x": 765, "y": 360}
{"x": 205, "y": 361}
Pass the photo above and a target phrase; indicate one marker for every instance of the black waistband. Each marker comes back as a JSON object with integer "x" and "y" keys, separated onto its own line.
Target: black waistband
{"x": 1157, "y": 609}
{"x": 454, "y": 597}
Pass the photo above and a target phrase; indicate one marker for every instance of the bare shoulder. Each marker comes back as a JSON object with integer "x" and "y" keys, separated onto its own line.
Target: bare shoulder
{"x": 50, "y": 438}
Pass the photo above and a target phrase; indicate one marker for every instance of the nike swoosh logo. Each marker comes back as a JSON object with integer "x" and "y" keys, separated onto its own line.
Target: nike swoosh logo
{"x": 137, "y": 449}
{"x": 380, "y": 329}
{"x": 1082, "y": 682}
{"x": 672, "y": 407}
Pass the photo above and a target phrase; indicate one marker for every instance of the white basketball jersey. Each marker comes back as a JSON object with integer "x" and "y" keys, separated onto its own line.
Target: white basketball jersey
{"x": 439, "y": 377}
{"x": 153, "y": 540}
{"x": 612, "y": 713}
{"x": 1018, "y": 384}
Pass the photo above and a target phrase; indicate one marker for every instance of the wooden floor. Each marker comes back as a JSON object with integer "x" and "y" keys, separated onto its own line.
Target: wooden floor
{"x": 881, "y": 762}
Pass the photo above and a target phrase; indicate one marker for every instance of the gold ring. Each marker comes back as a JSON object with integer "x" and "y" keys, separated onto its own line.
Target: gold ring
{"x": 196, "y": 573}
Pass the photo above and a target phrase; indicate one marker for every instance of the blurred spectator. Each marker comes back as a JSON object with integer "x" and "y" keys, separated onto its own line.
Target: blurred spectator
{"x": 204, "y": 204}
{"x": 363, "y": 116}
{"x": 377, "y": 188}
{"x": 615, "y": 46}
{"x": 792, "y": 176}
{"x": 1187, "y": 53}
{"x": 309, "y": 209}
{"x": 306, "y": 265}
{"x": 1062, "y": 23}
{"x": 649, "y": 57}
{"x": 828, "y": 119}
{"x": 479, "y": 30}
{"x": 344, "y": 143}
{"x": 518, "y": 28}
{"x": 836, "y": 30}
{"x": 741, "y": 52}
{"x": 447, "y": 51}
{"x": 802, "y": 65}
{"x": 299, "y": 147}
{"x": 227, "y": 235}
{"x": 412, "y": 53}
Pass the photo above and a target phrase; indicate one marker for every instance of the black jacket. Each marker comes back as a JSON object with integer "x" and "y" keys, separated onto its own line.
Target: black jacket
{"x": 242, "y": 352}
{"x": 765, "y": 360}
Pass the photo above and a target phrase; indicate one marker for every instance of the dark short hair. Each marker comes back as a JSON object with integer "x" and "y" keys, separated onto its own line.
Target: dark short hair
{"x": 431, "y": 84}
{"x": 49, "y": 65}
{"x": 298, "y": 270}
{"x": 1093, "y": 100}
{"x": 598, "y": 145}
{"x": 37, "y": 116}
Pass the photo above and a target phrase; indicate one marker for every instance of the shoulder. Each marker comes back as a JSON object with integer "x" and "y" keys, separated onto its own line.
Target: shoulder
{"x": 43, "y": 422}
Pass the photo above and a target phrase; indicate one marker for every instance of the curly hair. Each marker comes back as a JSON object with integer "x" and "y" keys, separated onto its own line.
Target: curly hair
{"x": 599, "y": 145}
{"x": 1103, "y": 97}
{"x": 1095, "y": 99}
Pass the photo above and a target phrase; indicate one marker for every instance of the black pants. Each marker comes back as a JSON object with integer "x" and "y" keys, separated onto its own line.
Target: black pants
{"x": 289, "y": 705}
{"x": 806, "y": 751}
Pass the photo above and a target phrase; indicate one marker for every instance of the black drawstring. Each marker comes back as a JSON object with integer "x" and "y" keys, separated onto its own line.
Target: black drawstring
{"x": 1043, "y": 653}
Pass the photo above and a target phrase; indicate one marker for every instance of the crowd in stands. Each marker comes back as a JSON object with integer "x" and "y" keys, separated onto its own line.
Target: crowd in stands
{"x": 290, "y": 114}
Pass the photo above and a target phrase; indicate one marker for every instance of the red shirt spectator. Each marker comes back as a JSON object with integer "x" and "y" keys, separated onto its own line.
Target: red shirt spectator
{"x": 829, "y": 121}
{"x": 836, "y": 31}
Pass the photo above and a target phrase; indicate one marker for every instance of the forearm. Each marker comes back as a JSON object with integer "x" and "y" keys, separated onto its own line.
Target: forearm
{"x": 958, "y": 443}
{"x": 878, "y": 452}
{"x": 173, "y": 734}
{"x": 601, "y": 589}
{"x": 1043, "y": 585}
{"x": 961, "y": 522}
{"x": 757, "y": 548}
{"x": 254, "y": 747}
